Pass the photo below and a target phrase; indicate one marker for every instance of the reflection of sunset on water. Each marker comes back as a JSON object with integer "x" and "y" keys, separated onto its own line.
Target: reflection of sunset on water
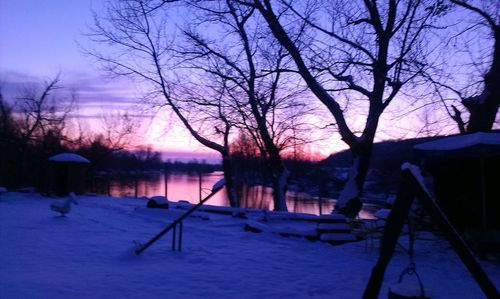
{"x": 186, "y": 187}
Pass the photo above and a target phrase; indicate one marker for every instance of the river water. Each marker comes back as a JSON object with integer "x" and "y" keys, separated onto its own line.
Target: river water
{"x": 184, "y": 186}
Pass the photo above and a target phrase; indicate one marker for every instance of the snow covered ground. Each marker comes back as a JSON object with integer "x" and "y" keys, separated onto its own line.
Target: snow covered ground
{"x": 88, "y": 254}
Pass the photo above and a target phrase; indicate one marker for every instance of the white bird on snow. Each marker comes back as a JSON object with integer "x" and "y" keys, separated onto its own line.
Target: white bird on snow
{"x": 65, "y": 206}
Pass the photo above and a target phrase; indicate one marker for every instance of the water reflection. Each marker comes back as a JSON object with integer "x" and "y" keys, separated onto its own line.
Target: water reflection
{"x": 182, "y": 186}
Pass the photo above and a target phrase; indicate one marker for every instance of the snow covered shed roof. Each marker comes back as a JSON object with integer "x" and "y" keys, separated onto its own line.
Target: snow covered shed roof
{"x": 68, "y": 157}
{"x": 471, "y": 145}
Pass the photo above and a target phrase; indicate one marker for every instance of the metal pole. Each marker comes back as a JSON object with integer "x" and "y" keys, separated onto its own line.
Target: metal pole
{"x": 173, "y": 237}
{"x": 108, "y": 184}
{"x": 165, "y": 180}
{"x": 199, "y": 181}
{"x": 136, "y": 185}
{"x": 179, "y": 247}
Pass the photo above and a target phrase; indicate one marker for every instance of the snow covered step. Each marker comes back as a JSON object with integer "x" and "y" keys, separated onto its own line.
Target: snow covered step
{"x": 334, "y": 218}
{"x": 285, "y": 231}
{"x": 337, "y": 237}
{"x": 255, "y": 226}
{"x": 333, "y": 227}
{"x": 158, "y": 202}
{"x": 382, "y": 214}
{"x": 235, "y": 212}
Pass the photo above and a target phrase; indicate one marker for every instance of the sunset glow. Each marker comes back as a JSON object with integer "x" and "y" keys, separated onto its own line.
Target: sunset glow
{"x": 53, "y": 36}
{"x": 249, "y": 148}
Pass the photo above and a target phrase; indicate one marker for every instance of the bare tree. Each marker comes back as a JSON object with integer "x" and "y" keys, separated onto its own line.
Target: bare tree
{"x": 464, "y": 80}
{"x": 40, "y": 112}
{"x": 212, "y": 86}
{"x": 31, "y": 129}
{"x": 252, "y": 71}
{"x": 137, "y": 32}
{"x": 8, "y": 128}
{"x": 359, "y": 56}
{"x": 118, "y": 130}
{"x": 483, "y": 107}
{"x": 9, "y": 134}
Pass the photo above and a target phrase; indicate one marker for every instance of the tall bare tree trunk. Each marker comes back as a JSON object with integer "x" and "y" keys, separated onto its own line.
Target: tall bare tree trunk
{"x": 349, "y": 202}
{"x": 483, "y": 108}
{"x": 279, "y": 176}
{"x": 227, "y": 167}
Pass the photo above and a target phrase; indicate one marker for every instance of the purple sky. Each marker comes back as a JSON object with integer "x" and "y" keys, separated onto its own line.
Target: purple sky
{"x": 39, "y": 39}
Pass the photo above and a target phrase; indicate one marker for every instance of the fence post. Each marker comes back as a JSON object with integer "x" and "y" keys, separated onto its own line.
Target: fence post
{"x": 165, "y": 180}
{"x": 173, "y": 237}
{"x": 179, "y": 247}
{"x": 136, "y": 185}
{"x": 199, "y": 184}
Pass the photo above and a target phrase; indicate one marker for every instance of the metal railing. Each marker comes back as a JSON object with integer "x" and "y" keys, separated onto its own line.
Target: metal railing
{"x": 216, "y": 188}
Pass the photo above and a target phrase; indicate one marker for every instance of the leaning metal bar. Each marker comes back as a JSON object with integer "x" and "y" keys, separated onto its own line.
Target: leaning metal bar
{"x": 217, "y": 187}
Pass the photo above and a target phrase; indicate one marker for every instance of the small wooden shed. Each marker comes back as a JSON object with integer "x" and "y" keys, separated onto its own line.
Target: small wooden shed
{"x": 67, "y": 172}
{"x": 465, "y": 172}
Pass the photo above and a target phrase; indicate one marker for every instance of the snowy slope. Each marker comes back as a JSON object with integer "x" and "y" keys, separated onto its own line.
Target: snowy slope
{"x": 88, "y": 254}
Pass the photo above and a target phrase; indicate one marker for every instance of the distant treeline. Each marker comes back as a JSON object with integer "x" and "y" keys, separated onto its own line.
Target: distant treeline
{"x": 37, "y": 126}
{"x": 36, "y": 131}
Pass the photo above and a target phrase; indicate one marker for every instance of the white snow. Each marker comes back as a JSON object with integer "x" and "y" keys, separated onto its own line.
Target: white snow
{"x": 382, "y": 214}
{"x": 89, "y": 254}
{"x": 69, "y": 157}
{"x": 460, "y": 141}
{"x": 219, "y": 184}
{"x": 391, "y": 199}
{"x": 350, "y": 190}
{"x": 338, "y": 237}
{"x": 334, "y": 226}
{"x": 408, "y": 289}
{"x": 417, "y": 174}
{"x": 284, "y": 228}
{"x": 64, "y": 207}
{"x": 159, "y": 199}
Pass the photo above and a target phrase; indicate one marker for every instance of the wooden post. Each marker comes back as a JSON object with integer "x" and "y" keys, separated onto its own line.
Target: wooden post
{"x": 173, "y": 237}
{"x": 392, "y": 230}
{"x": 136, "y": 185}
{"x": 165, "y": 180}
{"x": 320, "y": 205}
{"x": 179, "y": 246}
{"x": 199, "y": 184}
{"x": 108, "y": 184}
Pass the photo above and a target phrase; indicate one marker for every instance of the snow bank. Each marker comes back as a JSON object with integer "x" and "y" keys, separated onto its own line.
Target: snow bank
{"x": 417, "y": 174}
{"x": 382, "y": 214}
{"x": 88, "y": 255}
{"x": 68, "y": 157}
{"x": 347, "y": 237}
{"x": 219, "y": 184}
{"x": 159, "y": 199}
{"x": 334, "y": 226}
{"x": 460, "y": 142}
